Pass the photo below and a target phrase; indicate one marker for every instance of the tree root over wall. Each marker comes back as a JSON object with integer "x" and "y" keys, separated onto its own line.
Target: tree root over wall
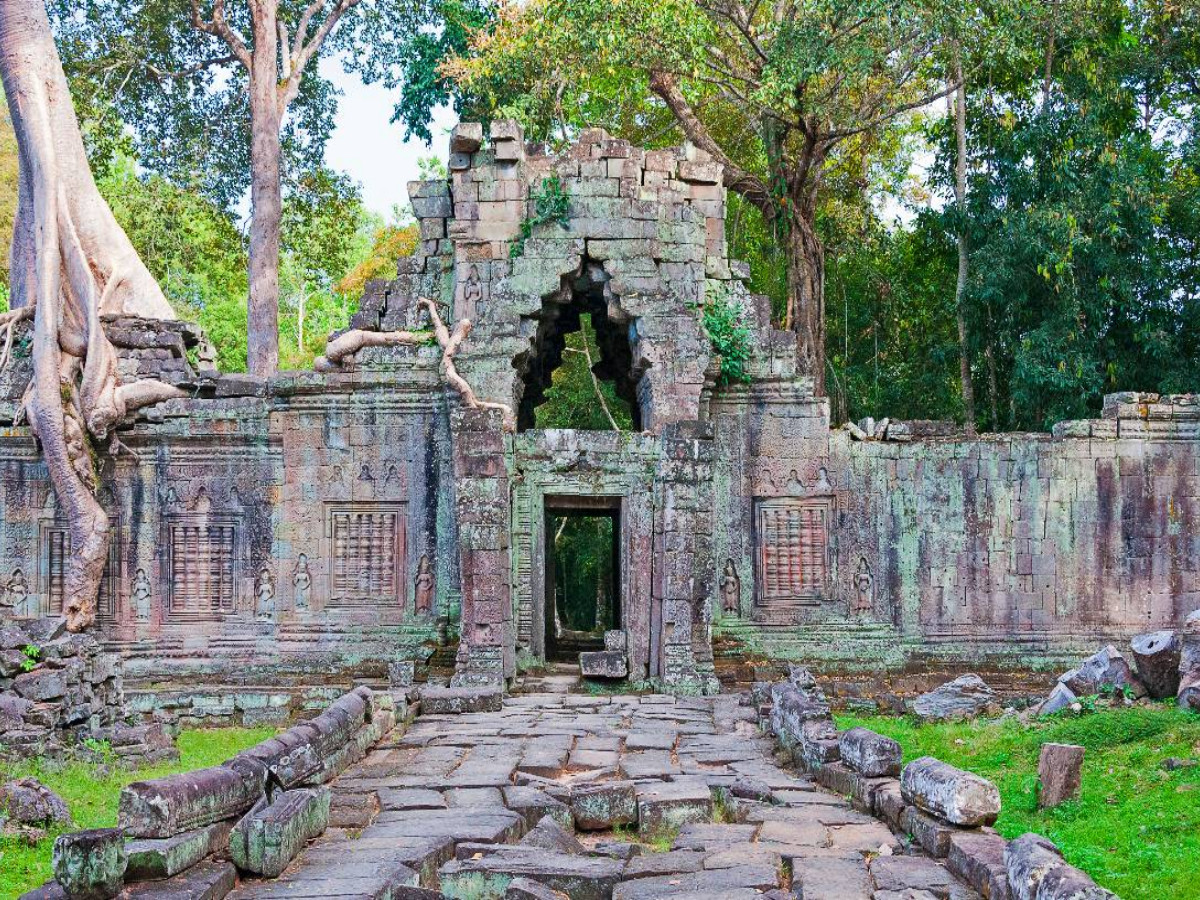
{"x": 70, "y": 263}
{"x": 350, "y": 342}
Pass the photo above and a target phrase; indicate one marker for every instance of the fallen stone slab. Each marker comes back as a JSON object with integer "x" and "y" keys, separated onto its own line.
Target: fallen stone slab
{"x": 533, "y": 804}
{"x": 453, "y": 701}
{"x": 649, "y": 865}
{"x": 978, "y": 859}
{"x": 1061, "y": 697}
{"x": 966, "y": 697}
{"x": 27, "y": 801}
{"x": 704, "y": 883}
{"x": 831, "y": 878}
{"x": 169, "y": 806}
{"x": 353, "y": 810}
{"x": 151, "y": 858}
{"x": 1060, "y": 772}
{"x": 90, "y": 865}
{"x": 266, "y": 841}
{"x": 1189, "y": 663}
{"x": 603, "y": 805}
{"x": 642, "y": 764}
{"x": 579, "y": 877}
{"x": 603, "y": 664}
{"x": 666, "y": 806}
{"x": 1105, "y": 670}
{"x": 958, "y": 797}
{"x": 911, "y": 873}
{"x": 499, "y": 826}
{"x": 1156, "y": 656}
{"x": 528, "y": 889}
{"x": 869, "y": 753}
{"x": 550, "y": 835}
{"x": 1027, "y": 860}
{"x": 211, "y": 880}
{"x": 709, "y": 836}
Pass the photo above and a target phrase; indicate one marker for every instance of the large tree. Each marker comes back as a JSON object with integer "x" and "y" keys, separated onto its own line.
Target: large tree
{"x": 773, "y": 91}
{"x": 222, "y": 94}
{"x": 70, "y": 263}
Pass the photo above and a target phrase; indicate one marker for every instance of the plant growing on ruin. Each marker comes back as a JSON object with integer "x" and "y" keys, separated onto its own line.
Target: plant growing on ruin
{"x": 70, "y": 264}
{"x": 724, "y": 322}
{"x": 31, "y": 653}
{"x": 549, "y": 205}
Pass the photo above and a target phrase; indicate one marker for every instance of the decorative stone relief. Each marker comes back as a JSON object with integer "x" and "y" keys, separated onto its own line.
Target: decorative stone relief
{"x": 792, "y": 537}
{"x": 141, "y": 596}
{"x": 731, "y": 590}
{"x": 864, "y": 587}
{"x": 17, "y": 592}
{"x": 423, "y": 591}
{"x": 366, "y": 550}
{"x": 302, "y": 583}
{"x": 202, "y": 551}
{"x": 264, "y": 595}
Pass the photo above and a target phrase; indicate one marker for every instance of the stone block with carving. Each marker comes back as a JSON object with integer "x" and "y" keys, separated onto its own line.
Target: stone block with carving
{"x": 870, "y": 753}
{"x": 265, "y": 842}
{"x": 603, "y": 664}
{"x": 168, "y": 806}
{"x": 90, "y": 865}
{"x": 958, "y": 797}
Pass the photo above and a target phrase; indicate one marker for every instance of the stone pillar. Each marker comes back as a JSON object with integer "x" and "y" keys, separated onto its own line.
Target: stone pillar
{"x": 1060, "y": 770}
{"x": 487, "y": 648}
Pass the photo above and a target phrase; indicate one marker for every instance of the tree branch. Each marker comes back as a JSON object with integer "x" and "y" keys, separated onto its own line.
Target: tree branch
{"x": 217, "y": 26}
{"x": 161, "y": 75}
{"x": 299, "y": 60}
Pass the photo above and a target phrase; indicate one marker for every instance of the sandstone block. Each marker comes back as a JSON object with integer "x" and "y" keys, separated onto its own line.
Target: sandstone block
{"x": 869, "y": 753}
{"x": 1060, "y": 770}
{"x": 266, "y": 841}
{"x": 616, "y": 640}
{"x": 212, "y": 880}
{"x": 963, "y": 698}
{"x": 41, "y": 684}
{"x": 550, "y": 835}
{"x": 1156, "y": 656}
{"x": 29, "y": 802}
{"x": 1060, "y": 698}
{"x": 454, "y": 701}
{"x": 603, "y": 664}
{"x": 1105, "y": 670}
{"x": 958, "y": 797}
{"x": 1037, "y": 871}
{"x": 978, "y": 859}
{"x": 151, "y": 858}
{"x": 603, "y": 805}
{"x": 1189, "y": 664}
{"x": 579, "y": 877}
{"x": 467, "y": 137}
{"x": 929, "y": 831}
{"x": 528, "y": 889}
{"x": 666, "y": 805}
{"x": 90, "y": 865}
{"x": 168, "y": 806}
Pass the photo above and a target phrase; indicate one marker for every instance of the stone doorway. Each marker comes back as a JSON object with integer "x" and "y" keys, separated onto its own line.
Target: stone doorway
{"x": 582, "y": 586}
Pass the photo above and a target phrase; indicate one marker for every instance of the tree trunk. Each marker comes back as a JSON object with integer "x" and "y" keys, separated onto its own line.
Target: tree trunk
{"x": 71, "y": 263}
{"x": 266, "y": 203}
{"x": 806, "y": 296}
{"x": 960, "y": 287}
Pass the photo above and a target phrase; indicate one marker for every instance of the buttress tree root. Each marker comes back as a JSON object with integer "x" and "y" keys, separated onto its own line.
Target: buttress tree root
{"x": 352, "y": 341}
{"x": 70, "y": 263}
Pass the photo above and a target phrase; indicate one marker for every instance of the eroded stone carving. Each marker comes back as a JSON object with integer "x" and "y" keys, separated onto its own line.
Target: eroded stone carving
{"x": 864, "y": 587}
{"x": 423, "y": 592}
{"x": 19, "y": 598}
{"x": 140, "y": 597}
{"x": 264, "y": 595}
{"x": 302, "y": 582}
{"x": 731, "y": 589}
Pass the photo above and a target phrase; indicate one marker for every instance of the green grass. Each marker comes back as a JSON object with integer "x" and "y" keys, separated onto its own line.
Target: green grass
{"x": 91, "y": 792}
{"x": 1135, "y": 827}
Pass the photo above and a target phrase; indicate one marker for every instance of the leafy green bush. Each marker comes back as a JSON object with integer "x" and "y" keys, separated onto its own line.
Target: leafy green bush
{"x": 724, "y": 322}
{"x": 549, "y": 205}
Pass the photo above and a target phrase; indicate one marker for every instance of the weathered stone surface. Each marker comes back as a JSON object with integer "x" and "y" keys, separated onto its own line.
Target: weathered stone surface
{"x": 550, "y": 835}
{"x": 579, "y": 877}
{"x": 90, "y": 865}
{"x": 168, "y": 806}
{"x": 902, "y": 874}
{"x": 1189, "y": 663}
{"x": 965, "y": 697}
{"x": 603, "y": 664}
{"x": 930, "y": 832}
{"x": 151, "y": 858}
{"x": 1060, "y": 771}
{"x": 603, "y": 805}
{"x": 958, "y": 797}
{"x": 733, "y": 882}
{"x": 457, "y": 700}
{"x": 1037, "y": 871}
{"x": 528, "y": 889}
{"x": 1156, "y": 655}
{"x": 1061, "y": 697}
{"x": 29, "y": 802}
{"x": 534, "y": 804}
{"x": 1106, "y": 670}
{"x": 467, "y": 137}
{"x": 266, "y": 841}
{"x": 212, "y": 880}
{"x": 667, "y": 805}
{"x": 978, "y": 859}
{"x": 869, "y": 753}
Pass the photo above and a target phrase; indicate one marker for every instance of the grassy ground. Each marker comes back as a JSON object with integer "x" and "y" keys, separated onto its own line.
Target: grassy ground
{"x": 1135, "y": 828}
{"x": 91, "y": 792}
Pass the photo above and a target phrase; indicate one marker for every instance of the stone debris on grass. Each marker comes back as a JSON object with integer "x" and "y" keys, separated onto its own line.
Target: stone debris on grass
{"x": 958, "y": 797}
{"x": 26, "y": 801}
{"x": 90, "y": 865}
{"x": 1060, "y": 774}
{"x": 1156, "y": 656}
{"x": 966, "y": 697}
{"x": 1106, "y": 670}
{"x": 869, "y": 753}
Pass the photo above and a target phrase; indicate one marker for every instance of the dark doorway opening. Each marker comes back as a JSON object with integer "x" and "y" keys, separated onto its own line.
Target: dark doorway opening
{"x": 583, "y": 576}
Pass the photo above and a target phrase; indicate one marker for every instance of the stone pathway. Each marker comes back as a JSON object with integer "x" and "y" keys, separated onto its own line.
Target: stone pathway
{"x": 707, "y": 813}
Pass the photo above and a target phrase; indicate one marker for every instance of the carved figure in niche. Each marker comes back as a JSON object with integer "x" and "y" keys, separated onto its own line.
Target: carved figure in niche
{"x": 18, "y": 596}
{"x": 140, "y": 597}
{"x": 472, "y": 292}
{"x": 794, "y": 484}
{"x": 823, "y": 486}
{"x": 424, "y": 585}
{"x": 731, "y": 590}
{"x": 264, "y": 595}
{"x": 201, "y": 504}
{"x": 302, "y": 582}
{"x": 864, "y": 587}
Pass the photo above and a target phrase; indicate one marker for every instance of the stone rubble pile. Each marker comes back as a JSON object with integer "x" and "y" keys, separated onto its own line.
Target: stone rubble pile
{"x": 1166, "y": 663}
{"x": 945, "y": 811}
{"x": 966, "y": 697}
{"x": 57, "y": 689}
{"x": 175, "y": 834}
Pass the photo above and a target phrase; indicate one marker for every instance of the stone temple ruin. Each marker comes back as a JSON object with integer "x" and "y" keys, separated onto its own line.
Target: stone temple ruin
{"x": 312, "y": 529}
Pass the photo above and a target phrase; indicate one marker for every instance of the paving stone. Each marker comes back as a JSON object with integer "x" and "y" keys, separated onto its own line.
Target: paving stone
{"x": 742, "y": 855}
{"x": 493, "y": 826}
{"x": 664, "y": 806}
{"x": 712, "y": 836}
{"x": 458, "y": 798}
{"x": 533, "y": 803}
{"x": 703, "y": 883}
{"x": 579, "y": 877}
{"x": 411, "y": 798}
{"x": 164, "y": 857}
{"x": 901, "y": 873}
{"x": 831, "y": 878}
{"x": 550, "y": 835}
{"x": 643, "y": 764}
{"x": 581, "y": 759}
{"x": 353, "y": 810}
{"x": 651, "y": 864}
{"x": 210, "y": 880}
{"x": 528, "y": 889}
{"x": 604, "y": 805}
{"x": 651, "y": 740}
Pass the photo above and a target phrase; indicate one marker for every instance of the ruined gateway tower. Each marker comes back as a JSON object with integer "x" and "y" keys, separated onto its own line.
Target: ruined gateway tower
{"x": 271, "y": 537}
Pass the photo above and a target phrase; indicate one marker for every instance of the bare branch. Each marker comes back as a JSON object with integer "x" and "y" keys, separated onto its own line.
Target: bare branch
{"x": 163, "y": 75}
{"x": 299, "y": 60}
{"x": 840, "y": 134}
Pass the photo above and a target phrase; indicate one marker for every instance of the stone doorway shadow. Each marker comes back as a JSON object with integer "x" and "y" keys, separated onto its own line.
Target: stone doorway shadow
{"x": 582, "y": 596}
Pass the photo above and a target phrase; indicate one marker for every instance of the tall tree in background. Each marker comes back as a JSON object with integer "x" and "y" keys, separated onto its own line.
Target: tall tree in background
{"x": 222, "y": 93}
{"x": 771, "y": 90}
{"x": 70, "y": 263}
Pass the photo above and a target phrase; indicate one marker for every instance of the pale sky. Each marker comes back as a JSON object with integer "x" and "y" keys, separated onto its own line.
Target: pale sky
{"x": 370, "y": 148}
